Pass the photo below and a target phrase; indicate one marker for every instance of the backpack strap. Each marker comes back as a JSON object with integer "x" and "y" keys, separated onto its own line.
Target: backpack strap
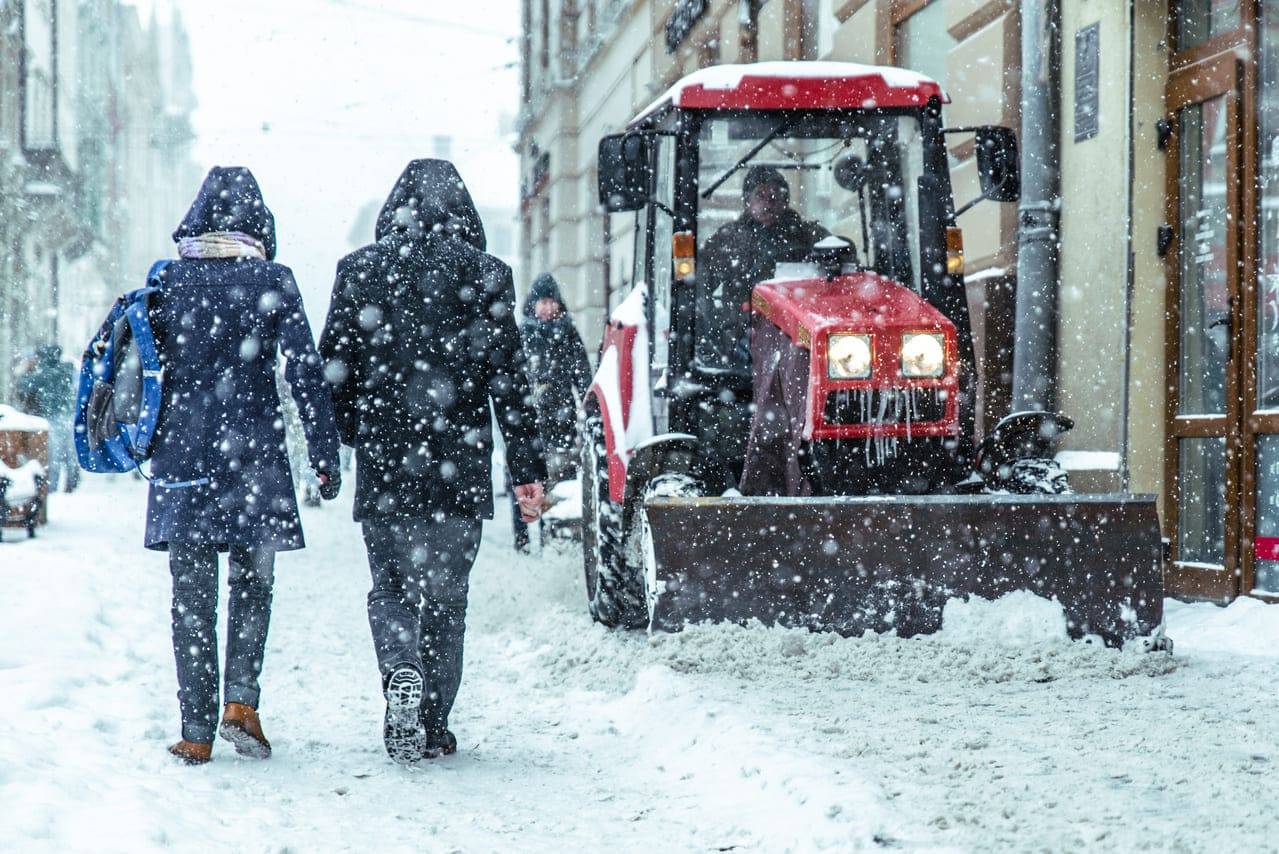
{"x": 148, "y": 352}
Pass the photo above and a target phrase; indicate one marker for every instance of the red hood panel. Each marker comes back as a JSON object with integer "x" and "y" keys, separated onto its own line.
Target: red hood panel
{"x": 858, "y": 302}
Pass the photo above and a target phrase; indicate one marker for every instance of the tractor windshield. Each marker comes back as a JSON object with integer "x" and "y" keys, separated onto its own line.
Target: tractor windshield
{"x": 772, "y": 185}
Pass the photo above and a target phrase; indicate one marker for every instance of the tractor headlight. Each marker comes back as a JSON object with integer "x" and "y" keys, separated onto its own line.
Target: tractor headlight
{"x": 923, "y": 354}
{"x": 848, "y": 357}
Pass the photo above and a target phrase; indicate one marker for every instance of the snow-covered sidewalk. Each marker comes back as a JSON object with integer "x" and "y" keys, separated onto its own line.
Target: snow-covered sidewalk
{"x": 574, "y": 737}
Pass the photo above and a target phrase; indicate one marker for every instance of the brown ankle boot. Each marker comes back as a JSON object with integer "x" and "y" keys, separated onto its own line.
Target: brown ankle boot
{"x": 241, "y": 727}
{"x": 192, "y": 752}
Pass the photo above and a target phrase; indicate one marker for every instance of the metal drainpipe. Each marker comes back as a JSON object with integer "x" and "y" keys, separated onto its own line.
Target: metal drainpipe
{"x": 1035, "y": 327}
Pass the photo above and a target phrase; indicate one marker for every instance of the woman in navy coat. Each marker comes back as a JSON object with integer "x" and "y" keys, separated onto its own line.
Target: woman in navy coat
{"x": 220, "y": 470}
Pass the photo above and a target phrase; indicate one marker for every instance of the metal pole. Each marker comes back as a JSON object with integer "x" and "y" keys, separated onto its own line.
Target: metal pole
{"x": 1035, "y": 327}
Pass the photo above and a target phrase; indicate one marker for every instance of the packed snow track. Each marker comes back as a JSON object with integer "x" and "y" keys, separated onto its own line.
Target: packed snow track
{"x": 996, "y": 734}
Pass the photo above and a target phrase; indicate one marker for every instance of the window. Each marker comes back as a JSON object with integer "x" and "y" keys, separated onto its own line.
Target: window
{"x": 1267, "y": 306}
{"x": 827, "y": 24}
{"x": 1200, "y": 20}
{"x": 922, "y": 43}
{"x": 854, "y": 177}
{"x": 38, "y": 126}
{"x": 663, "y": 230}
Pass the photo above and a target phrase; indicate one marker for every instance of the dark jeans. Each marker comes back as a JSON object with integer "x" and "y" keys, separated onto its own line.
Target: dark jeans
{"x": 195, "y": 635}
{"x": 417, "y": 608}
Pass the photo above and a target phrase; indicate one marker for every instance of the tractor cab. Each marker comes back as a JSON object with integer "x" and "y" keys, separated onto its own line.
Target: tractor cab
{"x": 781, "y": 425}
{"x": 820, "y": 178}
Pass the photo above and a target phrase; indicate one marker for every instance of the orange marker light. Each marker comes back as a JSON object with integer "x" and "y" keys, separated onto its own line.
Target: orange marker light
{"x": 683, "y": 252}
{"x": 955, "y": 251}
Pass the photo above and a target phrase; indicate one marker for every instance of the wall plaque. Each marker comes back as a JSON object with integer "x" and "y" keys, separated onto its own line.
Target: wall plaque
{"x": 1087, "y": 81}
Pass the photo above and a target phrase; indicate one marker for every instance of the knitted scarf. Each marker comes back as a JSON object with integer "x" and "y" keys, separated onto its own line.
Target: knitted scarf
{"x": 221, "y": 244}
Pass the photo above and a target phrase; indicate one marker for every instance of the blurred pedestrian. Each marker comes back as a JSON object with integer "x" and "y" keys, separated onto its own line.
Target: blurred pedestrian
{"x": 561, "y": 374}
{"x": 220, "y": 468}
{"x": 46, "y": 388}
{"x": 420, "y": 341}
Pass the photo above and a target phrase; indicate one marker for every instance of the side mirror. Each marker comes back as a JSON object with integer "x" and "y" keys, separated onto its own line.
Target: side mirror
{"x": 851, "y": 173}
{"x": 997, "y": 164}
{"x": 625, "y": 171}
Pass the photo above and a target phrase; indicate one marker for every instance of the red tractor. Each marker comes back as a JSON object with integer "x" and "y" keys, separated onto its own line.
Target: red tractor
{"x": 782, "y": 423}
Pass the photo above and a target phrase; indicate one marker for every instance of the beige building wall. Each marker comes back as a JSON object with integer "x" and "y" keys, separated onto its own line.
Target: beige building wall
{"x": 598, "y": 72}
{"x": 1094, "y": 270}
{"x": 1147, "y": 356}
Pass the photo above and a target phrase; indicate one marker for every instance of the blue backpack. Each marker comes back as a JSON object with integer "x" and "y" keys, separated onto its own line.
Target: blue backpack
{"x": 121, "y": 385}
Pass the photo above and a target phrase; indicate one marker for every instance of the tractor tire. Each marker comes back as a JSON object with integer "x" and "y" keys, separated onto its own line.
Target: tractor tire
{"x": 614, "y": 584}
{"x": 669, "y": 485}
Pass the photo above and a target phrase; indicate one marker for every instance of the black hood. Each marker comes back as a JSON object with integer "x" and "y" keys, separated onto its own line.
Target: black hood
{"x": 543, "y": 286}
{"x": 230, "y": 200}
{"x": 430, "y": 196}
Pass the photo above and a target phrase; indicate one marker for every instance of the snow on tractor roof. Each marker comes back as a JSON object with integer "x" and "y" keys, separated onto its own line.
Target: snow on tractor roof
{"x": 799, "y": 85}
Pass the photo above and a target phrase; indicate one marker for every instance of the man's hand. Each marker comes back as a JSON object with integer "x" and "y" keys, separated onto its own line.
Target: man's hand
{"x": 530, "y": 497}
{"x": 330, "y": 484}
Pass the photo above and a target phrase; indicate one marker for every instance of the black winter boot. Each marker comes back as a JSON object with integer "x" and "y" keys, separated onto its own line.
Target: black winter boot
{"x": 402, "y": 730}
{"x": 439, "y": 744}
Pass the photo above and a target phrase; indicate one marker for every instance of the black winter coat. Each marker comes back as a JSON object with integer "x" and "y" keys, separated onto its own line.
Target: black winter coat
{"x": 420, "y": 337}
{"x": 558, "y": 366}
{"x": 49, "y": 389}
{"x": 220, "y": 470}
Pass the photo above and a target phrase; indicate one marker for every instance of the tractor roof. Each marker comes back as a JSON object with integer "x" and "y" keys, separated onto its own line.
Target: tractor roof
{"x": 798, "y": 85}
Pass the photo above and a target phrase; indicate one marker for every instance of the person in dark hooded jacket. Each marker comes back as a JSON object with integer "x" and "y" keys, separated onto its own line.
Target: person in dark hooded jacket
{"x": 560, "y": 373}
{"x": 420, "y": 341}
{"x": 220, "y": 478}
{"x": 48, "y": 390}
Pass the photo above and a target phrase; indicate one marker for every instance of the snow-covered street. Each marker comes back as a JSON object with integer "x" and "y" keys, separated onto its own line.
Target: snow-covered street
{"x": 574, "y": 737}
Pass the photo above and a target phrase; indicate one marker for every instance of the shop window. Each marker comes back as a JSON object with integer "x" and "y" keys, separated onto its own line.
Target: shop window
{"x": 1201, "y": 508}
{"x": 1268, "y": 180}
{"x": 1200, "y": 20}
{"x": 922, "y": 43}
{"x": 1267, "y": 539}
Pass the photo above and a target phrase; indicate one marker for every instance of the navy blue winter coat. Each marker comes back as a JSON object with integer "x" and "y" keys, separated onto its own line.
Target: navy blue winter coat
{"x": 220, "y": 469}
{"x": 420, "y": 338}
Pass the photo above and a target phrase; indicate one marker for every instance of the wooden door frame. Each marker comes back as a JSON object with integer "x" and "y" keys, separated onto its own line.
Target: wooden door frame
{"x": 1221, "y": 75}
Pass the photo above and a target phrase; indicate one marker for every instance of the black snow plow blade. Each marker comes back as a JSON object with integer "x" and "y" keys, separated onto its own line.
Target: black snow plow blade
{"x": 851, "y": 565}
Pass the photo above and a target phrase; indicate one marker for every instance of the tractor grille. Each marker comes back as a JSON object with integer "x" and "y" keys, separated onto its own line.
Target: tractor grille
{"x": 885, "y": 406}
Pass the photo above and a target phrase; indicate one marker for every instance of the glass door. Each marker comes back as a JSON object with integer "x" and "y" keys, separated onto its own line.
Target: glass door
{"x": 1204, "y": 325}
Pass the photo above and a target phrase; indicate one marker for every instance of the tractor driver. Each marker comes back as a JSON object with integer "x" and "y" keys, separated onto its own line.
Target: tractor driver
{"x": 742, "y": 254}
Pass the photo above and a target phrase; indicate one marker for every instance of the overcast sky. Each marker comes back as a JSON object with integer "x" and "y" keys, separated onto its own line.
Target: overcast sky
{"x": 327, "y": 100}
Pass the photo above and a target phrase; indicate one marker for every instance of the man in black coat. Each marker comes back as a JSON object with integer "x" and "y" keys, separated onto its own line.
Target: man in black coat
{"x": 420, "y": 339}
{"x": 560, "y": 373}
{"x": 740, "y": 255}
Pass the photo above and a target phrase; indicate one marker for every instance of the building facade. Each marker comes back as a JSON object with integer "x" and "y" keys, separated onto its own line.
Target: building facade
{"x": 95, "y": 141}
{"x": 1166, "y": 310}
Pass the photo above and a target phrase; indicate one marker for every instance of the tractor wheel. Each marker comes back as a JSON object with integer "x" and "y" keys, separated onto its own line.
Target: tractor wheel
{"x": 669, "y": 485}
{"x": 614, "y": 587}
